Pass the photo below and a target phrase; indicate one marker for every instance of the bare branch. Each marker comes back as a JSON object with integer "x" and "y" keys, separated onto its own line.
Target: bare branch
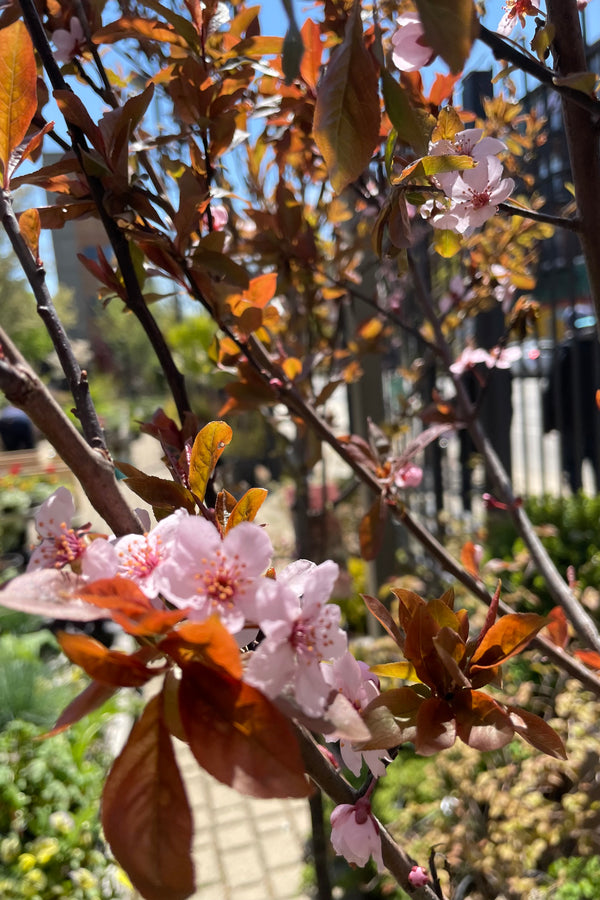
{"x": 36, "y": 276}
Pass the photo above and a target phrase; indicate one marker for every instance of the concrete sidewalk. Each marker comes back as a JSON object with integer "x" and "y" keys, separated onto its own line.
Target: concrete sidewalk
{"x": 244, "y": 849}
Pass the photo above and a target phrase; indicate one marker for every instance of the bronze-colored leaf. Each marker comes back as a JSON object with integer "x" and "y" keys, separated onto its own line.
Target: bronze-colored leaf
{"x": 247, "y": 507}
{"x": 508, "y": 636}
{"x": 145, "y": 813}
{"x": 481, "y": 722}
{"x": 238, "y": 735}
{"x": 347, "y": 112}
{"x": 450, "y": 29}
{"x": 384, "y": 617}
{"x": 536, "y": 732}
{"x": 208, "y": 447}
{"x": 18, "y": 91}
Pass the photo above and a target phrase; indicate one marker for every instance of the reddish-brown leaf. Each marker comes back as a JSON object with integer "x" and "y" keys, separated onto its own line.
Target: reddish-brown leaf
{"x": 436, "y": 728}
{"x": 161, "y": 493}
{"x": 450, "y": 29}
{"x": 208, "y": 642}
{"x": 589, "y": 658}
{"x": 75, "y": 113}
{"x": 310, "y": 66}
{"x": 91, "y": 698}
{"x": 347, "y": 111}
{"x": 536, "y": 732}
{"x": 110, "y": 667}
{"x": 481, "y": 722}
{"x": 468, "y": 557}
{"x": 145, "y": 812}
{"x": 29, "y": 226}
{"x": 372, "y": 527}
{"x": 392, "y": 718}
{"x": 208, "y": 447}
{"x": 238, "y": 735}
{"x": 18, "y": 90}
{"x": 408, "y": 601}
{"x": 383, "y": 616}
{"x": 507, "y": 637}
{"x": 127, "y": 605}
{"x": 558, "y": 627}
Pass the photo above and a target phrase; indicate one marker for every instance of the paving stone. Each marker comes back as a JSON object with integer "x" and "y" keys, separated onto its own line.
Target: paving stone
{"x": 243, "y": 867}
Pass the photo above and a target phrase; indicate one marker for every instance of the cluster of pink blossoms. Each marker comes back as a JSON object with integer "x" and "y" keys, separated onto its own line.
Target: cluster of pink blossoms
{"x": 473, "y": 195}
{"x": 303, "y": 656}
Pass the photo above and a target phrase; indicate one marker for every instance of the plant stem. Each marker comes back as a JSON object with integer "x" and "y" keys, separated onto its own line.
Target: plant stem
{"x": 36, "y": 276}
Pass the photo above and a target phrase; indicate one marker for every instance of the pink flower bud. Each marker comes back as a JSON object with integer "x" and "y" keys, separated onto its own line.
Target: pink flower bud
{"x": 418, "y": 876}
{"x": 355, "y": 833}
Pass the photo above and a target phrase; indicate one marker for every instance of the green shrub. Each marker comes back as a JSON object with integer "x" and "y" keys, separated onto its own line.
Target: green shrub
{"x": 50, "y": 841}
{"x": 569, "y": 530}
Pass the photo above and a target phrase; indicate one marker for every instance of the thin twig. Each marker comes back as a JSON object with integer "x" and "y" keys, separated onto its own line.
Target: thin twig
{"x": 135, "y": 299}
{"x": 36, "y": 277}
{"x": 502, "y": 50}
{"x": 559, "y": 590}
{"x": 570, "y": 224}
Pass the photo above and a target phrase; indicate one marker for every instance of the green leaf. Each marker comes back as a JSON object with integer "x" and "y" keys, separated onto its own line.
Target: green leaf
{"x": 145, "y": 812}
{"x": 347, "y": 113}
{"x": 450, "y": 29}
{"x": 208, "y": 447}
{"x": 412, "y": 125}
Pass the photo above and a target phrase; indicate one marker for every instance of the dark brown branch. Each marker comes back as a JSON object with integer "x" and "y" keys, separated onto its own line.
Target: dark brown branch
{"x": 92, "y": 468}
{"x": 536, "y": 216}
{"x": 582, "y": 138}
{"x": 36, "y": 277}
{"x": 325, "y": 776}
{"x": 503, "y": 50}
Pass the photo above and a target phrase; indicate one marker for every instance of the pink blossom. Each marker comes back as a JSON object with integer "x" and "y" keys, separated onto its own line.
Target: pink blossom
{"x": 300, "y": 632}
{"x": 355, "y": 833}
{"x": 210, "y": 574}
{"x": 408, "y": 476}
{"x": 220, "y": 216}
{"x": 410, "y": 52}
{"x": 465, "y": 143}
{"x": 418, "y": 876}
{"x": 357, "y": 683}
{"x": 475, "y": 195}
{"x": 61, "y": 545}
{"x": 139, "y": 557}
{"x": 517, "y": 9}
{"x": 470, "y": 357}
{"x": 69, "y": 43}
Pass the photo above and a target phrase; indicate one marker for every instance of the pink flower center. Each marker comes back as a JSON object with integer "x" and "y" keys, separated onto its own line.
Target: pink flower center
{"x": 480, "y": 199}
{"x": 221, "y": 580}
{"x": 141, "y": 560}
{"x": 66, "y": 547}
{"x": 302, "y": 638}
